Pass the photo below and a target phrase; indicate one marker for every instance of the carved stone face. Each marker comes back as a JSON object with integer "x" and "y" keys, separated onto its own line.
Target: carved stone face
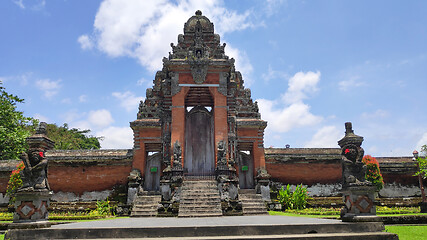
{"x": 35, "y": 157}
{"x": 350, "y": 152}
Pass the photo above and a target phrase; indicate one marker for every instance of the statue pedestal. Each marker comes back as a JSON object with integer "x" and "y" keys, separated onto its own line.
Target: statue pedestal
{"x": 359, "y": 200}
{"x": 31, "y": 206}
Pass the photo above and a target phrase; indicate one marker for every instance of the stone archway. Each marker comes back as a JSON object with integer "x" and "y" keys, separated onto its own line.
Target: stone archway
{"x": 199, "y": 142}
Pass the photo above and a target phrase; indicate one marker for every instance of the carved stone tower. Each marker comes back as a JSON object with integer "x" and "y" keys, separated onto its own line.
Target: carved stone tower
{"x": 198, "y": 101}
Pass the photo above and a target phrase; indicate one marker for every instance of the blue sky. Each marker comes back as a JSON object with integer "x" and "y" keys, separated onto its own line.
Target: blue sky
{"x": 312, "y": 65}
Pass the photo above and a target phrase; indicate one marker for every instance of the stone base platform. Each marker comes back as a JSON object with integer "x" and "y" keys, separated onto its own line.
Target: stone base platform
{"x": 234, "y": 227}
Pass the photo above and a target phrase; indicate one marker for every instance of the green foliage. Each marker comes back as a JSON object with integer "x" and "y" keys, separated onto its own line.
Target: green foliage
{"x": 104, "y": 208}
{"x": 422, "y": 163}
{"x": 15, "y": 182}
{"x": 6, "y": 216}
{"x": 284, "y": 197}
{"x": 69, "y": 139}
{"x": 14, "y": 126}
{"x": 293, "y": 200}
{"x": 373, "y": 173}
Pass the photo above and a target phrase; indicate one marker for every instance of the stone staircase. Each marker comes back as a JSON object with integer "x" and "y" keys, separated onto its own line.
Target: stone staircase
{"x": 252, "y": 203}
{"x": 145, "y": 205}
{"x": 199, "y": 198}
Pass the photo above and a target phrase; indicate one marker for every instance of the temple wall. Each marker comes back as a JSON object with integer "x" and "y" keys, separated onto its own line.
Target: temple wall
{"x": 320, "y": 170}
{"x": 92, "y": 174}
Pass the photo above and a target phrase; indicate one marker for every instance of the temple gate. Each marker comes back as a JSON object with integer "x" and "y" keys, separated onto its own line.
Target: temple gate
{"x": 198, "y": 101}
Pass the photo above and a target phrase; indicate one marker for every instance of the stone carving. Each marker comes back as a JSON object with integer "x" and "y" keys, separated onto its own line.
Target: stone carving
{"x": 221, "y": 153}
{"x": 199, "y": 69}
{"x": 353, "y": 169}
{"x": 358, "y": 193}
{"x": 33, "y": 198}
{"x": 34, "y": 175}
{"x": 177, "y": 152}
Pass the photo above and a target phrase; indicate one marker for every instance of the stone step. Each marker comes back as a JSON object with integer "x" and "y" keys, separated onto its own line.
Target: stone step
{"x": 199, "y": 199}
{"x": 145, "y": 205}
{"x": 235, "y": 230}
{"x": 252, "y": 204}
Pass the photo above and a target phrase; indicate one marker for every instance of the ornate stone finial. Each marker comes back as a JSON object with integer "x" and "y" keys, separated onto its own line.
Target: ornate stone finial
{"x": 42, "y": 128}
{"x": 198, "y": 13}
{"x": 348, "y": 128}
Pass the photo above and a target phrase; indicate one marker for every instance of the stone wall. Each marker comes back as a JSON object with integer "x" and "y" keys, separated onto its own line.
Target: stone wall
{"x": 320, "y": 170}
{"x": 84, "y": 175}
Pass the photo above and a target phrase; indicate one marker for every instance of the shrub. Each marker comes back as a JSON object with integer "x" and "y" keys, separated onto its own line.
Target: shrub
{"x": 15, "y": 182}
{"x": 104, "y": 208}
{"x": 293, "y": 200}
{"x": 373, "y": 173}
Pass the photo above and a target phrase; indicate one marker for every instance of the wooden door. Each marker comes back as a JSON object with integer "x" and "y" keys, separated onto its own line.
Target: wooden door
{"x": 152, "y": 172}
{"x": 246, "y": 171}
{"x": 199, "y": 157}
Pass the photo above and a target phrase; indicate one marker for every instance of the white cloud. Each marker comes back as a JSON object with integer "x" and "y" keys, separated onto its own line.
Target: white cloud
{"x": 145, "y": 29}
{"x": 243, "y": 65}
{"x": 116, "y": 137}
{"x": 272, "y": 74}
{"x": 41, "y": 118}
{"x": 37, "y": 5}
{"x": 19, "y": 3}
{"x": 326, "y": 137}
{"x": 128, "y": 100}
{"x": 289, "y": 111}
{"x": 49, "y": 87}
{"x": 272, "y": 6}
{"x": 66, "y": 101}
{"x": 300, "y": 85}
{"x": 286, "y": 118}
{"x": 82, "y": 98}
{"x": 100, "y": 118}
{"x": 379, "y": 113}
{"x": 421, "y": 142}
{"x": 85, "y": 42}
{"x": 351, "y": 83}
{"x": 141, "y": 81}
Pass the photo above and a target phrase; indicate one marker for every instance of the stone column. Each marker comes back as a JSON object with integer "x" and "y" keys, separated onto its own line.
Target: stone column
{"x": 33, "y": 198}
{"x": 358, "y": 193}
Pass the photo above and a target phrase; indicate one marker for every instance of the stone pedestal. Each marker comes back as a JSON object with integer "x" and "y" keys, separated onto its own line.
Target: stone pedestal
{"x": 358, "y": 201}
{"x": 423, "y": 206}
{"x": 31, "y": 206}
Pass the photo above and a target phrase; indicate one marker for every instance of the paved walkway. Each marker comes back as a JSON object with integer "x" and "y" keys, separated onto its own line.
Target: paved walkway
{"x": 208, "y": 221}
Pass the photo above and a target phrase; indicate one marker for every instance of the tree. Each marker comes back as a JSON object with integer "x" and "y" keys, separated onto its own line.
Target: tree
{"x": 71, "y": 139}
{"x": 14, "y": 126}
{"x": 422, "y": 162}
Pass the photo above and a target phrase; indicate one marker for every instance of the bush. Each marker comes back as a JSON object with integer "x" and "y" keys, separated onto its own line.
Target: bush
{"x": 373, "y": 173}
{"x": 104, "y": 208}
{"x": 15, "y": 182}
{"x": 293, "y": 200}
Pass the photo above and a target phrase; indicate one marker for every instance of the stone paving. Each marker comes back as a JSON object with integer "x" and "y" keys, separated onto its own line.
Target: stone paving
{"x": 211, "y": 221}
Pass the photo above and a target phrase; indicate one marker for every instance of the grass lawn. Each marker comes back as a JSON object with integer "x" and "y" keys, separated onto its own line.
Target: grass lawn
{"x": 408, "y": 232}
{"x": 1, "y": 236}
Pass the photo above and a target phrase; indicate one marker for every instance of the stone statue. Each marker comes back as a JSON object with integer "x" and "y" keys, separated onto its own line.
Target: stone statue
{"x": 353, "y": 169}
{"x": 177, "y": 154}
{"x": 221, "y": 153}
{"x": 34, "y": 175}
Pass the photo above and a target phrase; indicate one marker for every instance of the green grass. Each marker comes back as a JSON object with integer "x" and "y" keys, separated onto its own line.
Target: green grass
{"x": 1, "y": 236}
{"x": 408, "y": 232}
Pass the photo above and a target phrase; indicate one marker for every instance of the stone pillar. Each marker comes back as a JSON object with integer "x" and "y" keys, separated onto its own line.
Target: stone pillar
{"x": 33, "y": 198}
{"x": 358, "y": 193}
